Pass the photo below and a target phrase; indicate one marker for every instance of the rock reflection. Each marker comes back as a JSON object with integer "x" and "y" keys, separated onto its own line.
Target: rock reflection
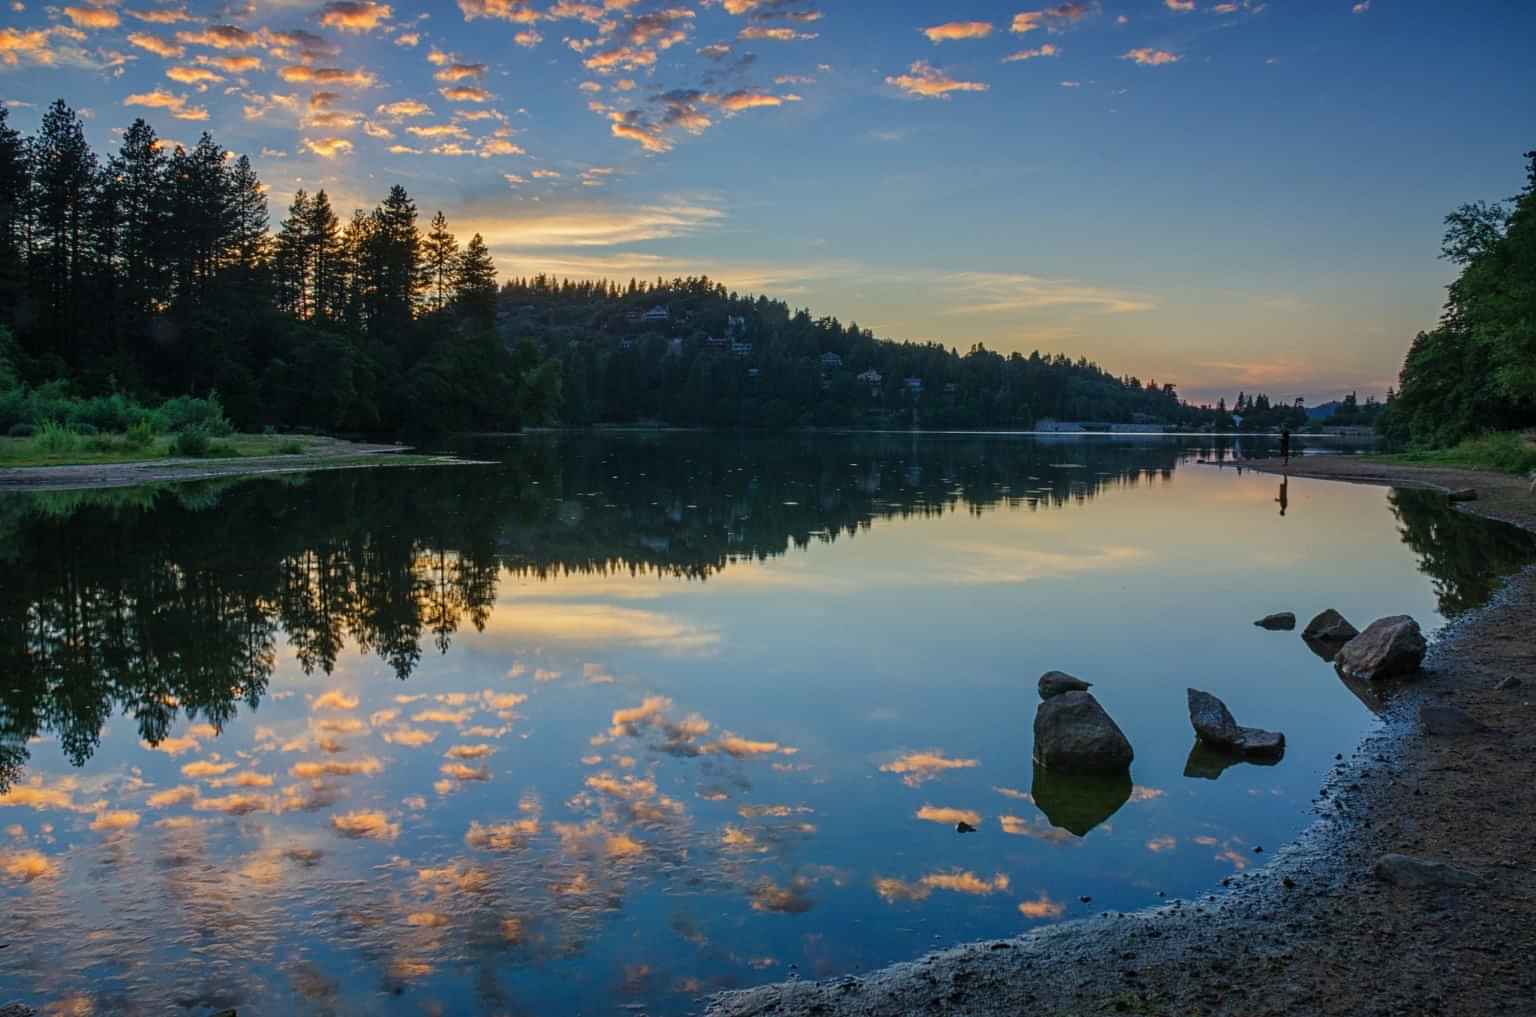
{"x": 1078, "y": 803}
{"x": 1207, "y": 763}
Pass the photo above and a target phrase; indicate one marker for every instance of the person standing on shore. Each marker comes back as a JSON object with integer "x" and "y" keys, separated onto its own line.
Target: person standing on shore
{"x": 1285, "y": 443}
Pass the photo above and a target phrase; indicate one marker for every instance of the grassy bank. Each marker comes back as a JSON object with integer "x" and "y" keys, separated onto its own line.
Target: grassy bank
{"x": 58, "y": 446}
{"x": 1504, "y": 452}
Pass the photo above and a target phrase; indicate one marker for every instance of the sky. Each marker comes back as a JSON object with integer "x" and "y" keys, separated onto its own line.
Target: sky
{"x": 1223, "y": 195}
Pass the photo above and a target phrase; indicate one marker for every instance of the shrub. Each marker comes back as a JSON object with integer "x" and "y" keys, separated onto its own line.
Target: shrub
{"x": 54, "y": 439}
{"x": 141, "y": 435}
{"x": 291, "y": 447}
{"x": 22, "y": 430}
{"x": 178, "y": 414}
{"x": 192, "y": 441}
{"x": 86, "y": 430}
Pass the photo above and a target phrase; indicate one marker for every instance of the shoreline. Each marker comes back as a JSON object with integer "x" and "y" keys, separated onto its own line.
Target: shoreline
{"x": 1312, "y": 932}
{"x": 334, "y": 454}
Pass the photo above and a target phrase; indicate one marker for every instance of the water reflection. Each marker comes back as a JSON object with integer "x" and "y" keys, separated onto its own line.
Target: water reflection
{"x": 1078, "y": 803}
{"x": 620, "y": 721}
{"x": 1465, "y": 561}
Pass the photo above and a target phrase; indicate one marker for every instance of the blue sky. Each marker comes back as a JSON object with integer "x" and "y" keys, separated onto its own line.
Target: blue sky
{"x": 1223, "y": 195}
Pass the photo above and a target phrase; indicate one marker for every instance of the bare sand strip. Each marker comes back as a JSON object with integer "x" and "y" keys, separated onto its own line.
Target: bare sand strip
{"x": 331, "y": 454}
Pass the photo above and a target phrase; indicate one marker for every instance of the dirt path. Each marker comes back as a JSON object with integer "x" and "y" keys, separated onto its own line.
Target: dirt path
{"x": 1312, "y": 933}
{"x": 326, "y": 454}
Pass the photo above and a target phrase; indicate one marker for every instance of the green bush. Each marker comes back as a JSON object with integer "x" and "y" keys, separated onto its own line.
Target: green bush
{"x": 192, "y": 441}
{"x": 22, "y": 431}
{"x": 141, "y": 435}
{"x": 178, "y": 414}
{"x": 291, "y": 447}
{"x": 54, "y": 439}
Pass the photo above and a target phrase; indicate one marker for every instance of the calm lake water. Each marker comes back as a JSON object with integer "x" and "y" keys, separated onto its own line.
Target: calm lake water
{"x": 623, "y": 720}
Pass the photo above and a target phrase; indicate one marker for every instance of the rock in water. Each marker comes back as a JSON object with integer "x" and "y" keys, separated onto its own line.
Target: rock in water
{"x": 1215, "y": 727}
{"x": 1054, "y": 683}
{"x": 1388, "y": 648}
{"x": 1449, "y": 721}
{"x": 17, "y": 1010}
{"x": 1508, "y": 683}
{"x": 1408, "y": 870}
{"x": 1465, "y": 494}
{"x": 1073, "y": 734}
{"x": 1329, "y": 627}
{"x": 1281, "y": 622}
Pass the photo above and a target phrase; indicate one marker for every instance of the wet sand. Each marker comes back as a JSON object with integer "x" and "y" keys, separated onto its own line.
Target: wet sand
{"x": 1311, "y": 932}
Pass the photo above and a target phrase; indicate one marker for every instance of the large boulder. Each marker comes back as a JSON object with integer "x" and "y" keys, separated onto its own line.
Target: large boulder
{"x": 1388, "y": 648}
{"x": 1329, "y": 627}
{"x": 1283, "y": 621}
{"x": 1079, "y": 802}
{"x": 1215, "y": 728}
{"x": 1073, "y": 734}
{"x": 1054, "y": 683}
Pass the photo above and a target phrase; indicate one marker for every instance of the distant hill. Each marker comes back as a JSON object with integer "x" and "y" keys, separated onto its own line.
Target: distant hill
{"x": 1323, "y": 411}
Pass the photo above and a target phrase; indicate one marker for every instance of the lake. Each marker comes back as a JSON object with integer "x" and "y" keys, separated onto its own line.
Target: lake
{"x": 621, "y": 720}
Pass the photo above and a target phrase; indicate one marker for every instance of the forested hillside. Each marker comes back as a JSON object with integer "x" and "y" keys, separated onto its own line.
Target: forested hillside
{"x": 1476, "y": 372}
{"x": 688, "y": 351}
{"x": 156, "y": 272}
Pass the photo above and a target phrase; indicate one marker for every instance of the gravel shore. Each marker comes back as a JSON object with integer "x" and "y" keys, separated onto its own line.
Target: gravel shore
{"x": 1314, "y": 931}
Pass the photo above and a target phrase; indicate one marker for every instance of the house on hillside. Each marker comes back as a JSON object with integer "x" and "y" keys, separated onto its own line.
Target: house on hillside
{"x": 914, "y": 385}
{"x": 870, "y": 377}
{"x": 741, "y": 348}
{"x": 831, "y": 361}
{"x": 657, "y": 313}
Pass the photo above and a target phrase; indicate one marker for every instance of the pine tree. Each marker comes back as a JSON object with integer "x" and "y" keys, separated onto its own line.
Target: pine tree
{"x": 322, "y": 246}
{"x": 440, "y": 252}
{"x": 13, "y": 194}
{"x": 475, "y": 283}
{"x": 290, "y": 259}
{"x": 63, "y": 186}
{"x": 250, "y": 242}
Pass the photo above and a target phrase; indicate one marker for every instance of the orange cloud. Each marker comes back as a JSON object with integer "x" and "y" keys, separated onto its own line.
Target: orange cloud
{"x": 917, "y": 767}
{"x": 1041, "y": 907}
{"x": 460, "y": 72}
{"x": 115, "y": 821}
{"x": 511, "y": 836}
{"x": 221, "y": 37}
{"x": 766, "y": 34}
{"x": 949, "y": 817}
{"x": 515, "y": 11}
{"x": 25, "y": 866}
{"x": 465, "y": 93}
{"x": 155, "y": 44}
{"x": 334, "y": 699}
{"x": 952, "y": 30}
{"x": 162, "y": 15}
{"x": 1029, "y": 54}
{"x": 928, "y": 82}
{"x": 1147, "y": 57}
{"x": 404, "y": 108}
{"x": 192, "y": 75}
{"x": 305, "y": 74}
{"x": 328, "y": 148}
{"x": 171, "y": 796}
{"x": 373, "y": 825}
{"x": 354, "y": 15}
{"x": 626, "y": 57}
{"x": 1051, "y": 17}
{"x": 440, "y": 131}
{"x": 93, "y": 17}
{"x": 1182, "y": 6}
